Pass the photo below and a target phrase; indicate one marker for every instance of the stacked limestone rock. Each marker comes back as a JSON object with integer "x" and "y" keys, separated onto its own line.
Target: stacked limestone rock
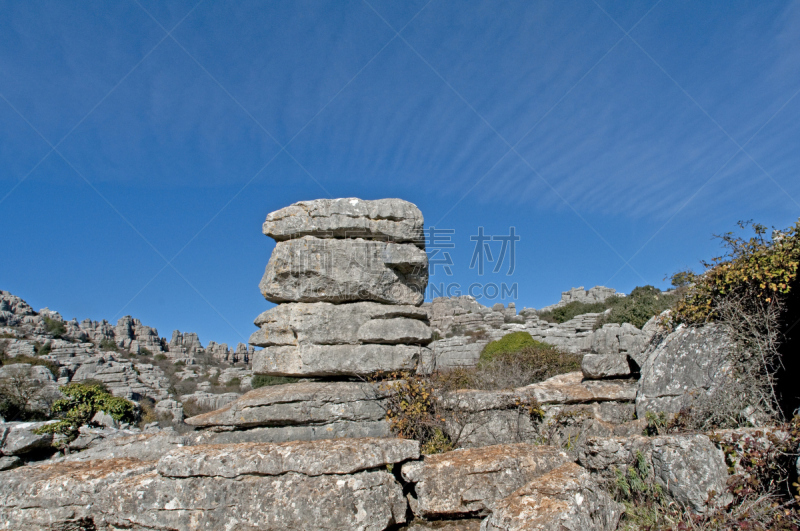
{"x": 349, "y": 277}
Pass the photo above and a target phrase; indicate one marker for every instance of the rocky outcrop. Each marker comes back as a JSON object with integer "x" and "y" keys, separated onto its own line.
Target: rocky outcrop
{"x": 296, "y": 486}
{"x": 322, "y": 270}
{"x": 376, "y": 327}
{"x": 590, "y": 296}
{"x": 478, "y": 418}
{"x": 690, "y": 467}
{"x": 382, "y": 219}
{"x": 564, "y": 499}
{"x": 470, "y": 482}
{"x": 686, "y": 364}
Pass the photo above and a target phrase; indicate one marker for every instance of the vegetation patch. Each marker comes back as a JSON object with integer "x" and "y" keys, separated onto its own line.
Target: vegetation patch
{"x": 512, "y": 361}
{"x": 80, "y": 403}
{"x": 54, "y": 328}
{"x": 752, "y": 291}
{"x": 262, "y": 380}
{"x": 412, "y": 412}
{"x": 562, "y": 314}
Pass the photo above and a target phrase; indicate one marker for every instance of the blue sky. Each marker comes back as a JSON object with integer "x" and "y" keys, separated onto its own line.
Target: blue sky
{"x": 143, "y": 143}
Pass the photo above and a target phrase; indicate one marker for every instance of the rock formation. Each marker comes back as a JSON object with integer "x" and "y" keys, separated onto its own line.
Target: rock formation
{"x": 349, "y": 276}
{"x": 317, "y": 453}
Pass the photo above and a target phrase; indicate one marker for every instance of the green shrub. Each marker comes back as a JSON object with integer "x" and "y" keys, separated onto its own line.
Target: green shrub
{"x": 145, "y": 351}
{"x": 80, "y": 403}
{"x": 564, "y": 313}
{"x": 643, "y": 303}
{"x": 180, "y": 363}
{"x": 42, "y": 350}
{"x": 513, "y": 361}
{"x": 108, "y": 344}
{"x": 262, "y": 380}
{"x": 233, "y": 382}
{"x": 54, "y": 328}
{"x": 513, "y": 342}
{"x": 160, "y": 357}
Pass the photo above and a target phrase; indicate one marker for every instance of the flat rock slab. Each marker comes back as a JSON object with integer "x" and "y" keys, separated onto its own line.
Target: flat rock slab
{"x": 446, "y": 525}
{"x": 141, "y": 446}
{"x": 598, "y": 366}
{"x": 382, "y": 219}
{"x": 325, "y": 485}
{"x": 310, "y": 458}
{"x": 334, "y": 430}
{"x": 324, "y": 323}
{"x": 471, "y": 481}
{"x": 55, "y": 496}
{"x": 336, "y": 360}
{"x": 366, "y": 501}
{"x": 303, "y": 403}
{"x": 564, "y": 389}
{"x": 564, "y": 499}
{"x": 319, "y": 270}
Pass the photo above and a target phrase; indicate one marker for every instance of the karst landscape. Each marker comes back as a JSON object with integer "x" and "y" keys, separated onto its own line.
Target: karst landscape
{"x": 358, "y": 406}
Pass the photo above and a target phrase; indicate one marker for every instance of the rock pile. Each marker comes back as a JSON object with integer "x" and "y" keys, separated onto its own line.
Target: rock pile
{"x": 348, "y": 276}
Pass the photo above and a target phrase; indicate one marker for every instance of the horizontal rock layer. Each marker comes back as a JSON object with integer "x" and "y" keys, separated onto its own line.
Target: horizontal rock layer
{"x": 304, "y": 403}
{"x": 471, "y": 481}
{"x": 382, "y": 219}
{"x": 324, "y": 323}
{"x": 319, "y": 270}
{"x": 326, "y": 485}
{"x": 336, "y": 360}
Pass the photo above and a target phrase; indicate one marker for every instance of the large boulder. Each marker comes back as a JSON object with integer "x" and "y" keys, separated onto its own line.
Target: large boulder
{"x": 336, "y": 360}
{"x": 470, "y": 482}
{"x": 326, "y": 485}
{"x": 19, "y": 438}
{"x": 303, "y": 403}
{"x": 322, "y": 270}
{"x": 688, "y": 364}
{"x": 382, "y": 219}
{"x": 690, "y": 467}
{"x": 564, "y": 499}
{"x": 323, "y": 323}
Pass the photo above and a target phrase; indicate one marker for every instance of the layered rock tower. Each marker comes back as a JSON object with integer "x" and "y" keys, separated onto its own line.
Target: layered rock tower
{"x": 349, "y": 277}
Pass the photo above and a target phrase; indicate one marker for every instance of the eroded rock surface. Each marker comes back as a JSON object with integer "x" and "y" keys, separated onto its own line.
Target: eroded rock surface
{"x": 326, "y": 485}
{"x": 320, "y": 270}
{"x": 564, "y": 499}
{"x": 304, "y": 403}
{"x": 690, "y": 467}
{"x": 344, "y": 361}
{"x": 686, "y": 364}
{"x": 324, "y": 323}
{"x": 472, "y": 481}
{"x": 382, "y": 219}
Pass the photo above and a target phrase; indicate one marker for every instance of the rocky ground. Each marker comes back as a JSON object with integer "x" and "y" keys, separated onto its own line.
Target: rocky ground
{"x": 320, "y": 449}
